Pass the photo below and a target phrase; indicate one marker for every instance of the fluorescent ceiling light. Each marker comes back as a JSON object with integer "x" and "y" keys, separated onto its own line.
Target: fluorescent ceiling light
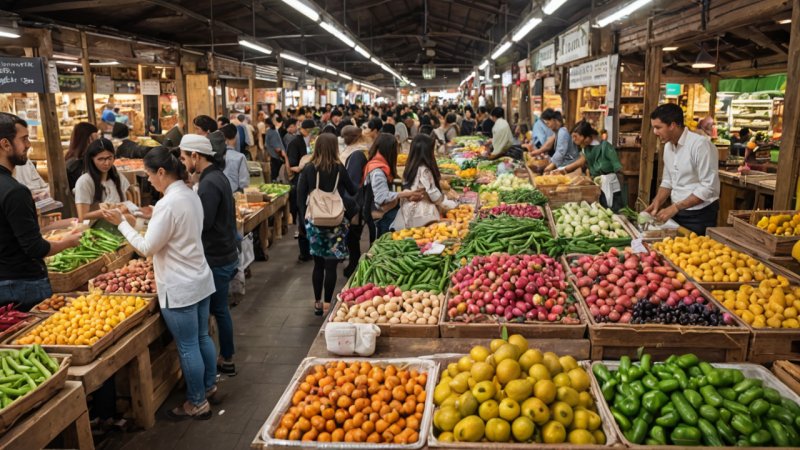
{"x": 316, "y": 66}
{"x": 70, "y": 58}
{"x": 669, "y": 49}
{"x": 362, "y": 51}
{"x": 105, "y": 63}
{"x": 68, "y": 63}
{"x": 484, "y": 64}
{"x": 332, "y": 72}
{"x": 345, "y": 76}
{"x": 496, "y": 76}
{"x": 304, "y": 9}
{"x": 625, "y": 11}
{"x": 10, "y": 32}
{"x": 499, "y": 52}
{"x": 340, "y": 35}
{"x": 375, "y": 60}
{"x": 785, "y": 21}
{"x": 255, "y": 46}
{"x": 296, "y": 59}
{"x": 414, "y": 84}
{"x": 551, "y": 6}
{"x": 522, "y": 32}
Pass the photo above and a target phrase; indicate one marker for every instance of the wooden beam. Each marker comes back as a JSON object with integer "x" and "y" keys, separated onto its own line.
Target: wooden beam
{"x": 712, "y": 101}
{"x": 88, "y": 80}
{"x": 789, "y": 156}
{"x": 755, "y": 35}
{"x": 652, "y": 86}
{"x": 56, "y": 166}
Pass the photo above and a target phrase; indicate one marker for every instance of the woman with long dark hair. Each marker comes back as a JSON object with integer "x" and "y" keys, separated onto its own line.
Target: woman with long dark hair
{"x": 83, "y": 134}
{"x": 100, "y": 183}
{"x": 422, "y": 173}
{"x": 379, "y": 173}
{"x": 328, "y": 245}
{"x": 183, "y": 278}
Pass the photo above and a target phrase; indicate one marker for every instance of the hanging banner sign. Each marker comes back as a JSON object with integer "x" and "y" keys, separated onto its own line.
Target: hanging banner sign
{"x": 507, "y": 78}
{"x": 22, "y": 75}
{"x": 103, "y": 84}
{"x": 544, "y": 57}
{"x": 592, "y": 73}
{"x": 523, "y": 70}
{"x": 151, "y": 87}
{"x": 574, "y": 44}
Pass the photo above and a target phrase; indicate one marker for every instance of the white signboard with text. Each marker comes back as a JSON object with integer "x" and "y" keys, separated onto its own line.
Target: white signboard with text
{"x": 545, "y": 56}
{"x": 574, "y": 44}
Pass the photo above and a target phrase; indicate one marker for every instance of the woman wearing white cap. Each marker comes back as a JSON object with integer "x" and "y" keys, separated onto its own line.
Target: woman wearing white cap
{"x": 183, "y": 278}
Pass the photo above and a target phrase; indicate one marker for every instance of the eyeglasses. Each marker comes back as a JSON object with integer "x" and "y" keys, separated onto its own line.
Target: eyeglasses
{"x": 106, "y": 159}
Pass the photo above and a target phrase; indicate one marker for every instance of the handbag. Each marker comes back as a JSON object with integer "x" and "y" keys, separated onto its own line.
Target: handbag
{"x": 325, "y": 209}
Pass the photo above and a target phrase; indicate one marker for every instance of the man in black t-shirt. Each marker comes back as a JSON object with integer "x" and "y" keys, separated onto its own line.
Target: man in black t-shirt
{"x": 23, "y": 273}
{"x": 298, "y": 148}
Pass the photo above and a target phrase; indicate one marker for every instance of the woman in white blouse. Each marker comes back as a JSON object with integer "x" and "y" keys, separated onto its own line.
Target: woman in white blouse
{"x": 183, "y": 278}
{"x": 422, "y": 173}
{"x": 100, "y": 183}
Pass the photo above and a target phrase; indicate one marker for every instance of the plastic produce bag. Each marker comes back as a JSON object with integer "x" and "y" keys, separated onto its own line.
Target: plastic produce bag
{"x": 351, "y": 338}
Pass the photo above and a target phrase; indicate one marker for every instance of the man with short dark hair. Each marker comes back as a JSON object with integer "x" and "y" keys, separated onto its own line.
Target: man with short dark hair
{"x": 290, "y": 126}
{"x": 126, "y": 148}
{"x": 203, "y": 125}
{"x": 23, "y": 273}
{"x": 450, "y": 127}
{"x": 502, "y": 137}
{"x": 690, "y": 175}
{"x": 544, "y": 138}
{"x": 486, "y": 122}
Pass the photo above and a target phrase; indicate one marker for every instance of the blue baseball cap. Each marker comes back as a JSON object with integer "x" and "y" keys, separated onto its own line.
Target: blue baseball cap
{"x": 109, "y": 116}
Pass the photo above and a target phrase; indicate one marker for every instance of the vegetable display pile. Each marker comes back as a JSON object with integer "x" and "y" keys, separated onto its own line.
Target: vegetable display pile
{"x": 84, "y": 320}
{"x": 489, "y": 199}
{"x": 406, "y": 271}
{"x": 54, "y": 303}
{"x": 10, "y": 317}
{"x": 552, "y": 180}
{"x": 94, "y": 244}
{"x": 135, "y": 278}
{"x": 23, "y": 371}
{"x": 507, "y": 182}
{"x": 709, "y": 261}
{"x": 590, "y": 244}
{"x": 688, "y": 402}
{"x": 513, "y": 210}
{"x": 772, "y": 304}
{"x": 578, "y": 219}
{"x": 628, "y": 287}
{"x": 274, "y": 189}
{"x": 389, "y": 305}
{"x": 356, "y": 402}
{"x": 532, "y": 196}
{"x": 512, "y": 393}
{"x": 505, "y": 234}
{"x": 781, "y": 224}
{"x": 513, "y": 288}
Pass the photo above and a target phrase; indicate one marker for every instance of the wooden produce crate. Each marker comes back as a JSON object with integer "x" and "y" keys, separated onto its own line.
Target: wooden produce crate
{"x": 72, "y": 281}
{"x": 11, "y": 413}
{"x": 717, "y": 344}
{"x": 118, "y": 259}
{"x": 84, "y": 354}
{"x": 739, "y": 241}
{"x": 559, "y": 195}
{"x": 427, "y": 331}
{"x": 788, "y": 373}
{"x": 745, "y": 222}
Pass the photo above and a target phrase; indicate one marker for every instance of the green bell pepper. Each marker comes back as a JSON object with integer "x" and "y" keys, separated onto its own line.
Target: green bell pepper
{"x": 759, "y": 407}
{"x": 694, "y": 398}
{"x": 711, "y": 396}
{"x": 685, "y": 435}
{"x": 727, "y": 393}
{"x": 780, "y": 414}
{"x": 623, "y": 422}
{"x": 638, "y": 432}
{"x": 668, "y": 420}
{"x": 668, "y": 386}
{"x": 778, "y": 433}
{"x": 709, "y": 413}
{"x": 653, "y": 401}
{"x": 772, "y": 395}
{"x": 742, "y": 424}
{"x": 726, "y": 432}
{"x": 710, "y": 435}
{"x": 687, "y": 360}
{"x": 658, "y": 433}
{"x": 684, "y": 408}
{"x": 650, "y": 382}
{"x": 760, "y": 437}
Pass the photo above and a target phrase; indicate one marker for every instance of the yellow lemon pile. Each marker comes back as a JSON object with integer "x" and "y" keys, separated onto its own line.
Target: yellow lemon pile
{"x": 781, "y": 224}
{"x": 772, "y": 304}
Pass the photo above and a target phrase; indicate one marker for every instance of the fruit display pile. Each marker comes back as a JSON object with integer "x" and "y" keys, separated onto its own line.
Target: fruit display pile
{"x": 616, "y": 286}
{"x": 137, "y": 277}
{"x": 709, "y": 261}
{"x": 94, "y": 244}
{"x": 579, "y": 219}
{"x": 511, "y": 393}
{"x": 388, "y": 305}
{"x": 391, "y": 263}
{"x": 84, "y": 320}
{"x": 356, "y": 402}
{"x": 23, "y": 371}
{"x": 513, "y": 210}
{"x": 781, "y": 224}
{"x": 505, "y": 234}
{"x": 771, "y": 304}
{"x": 274, "y": 189}
{"x": 512, "y": 287}
{"x": 687, "y": 402}
{"x": 454, "y": 228}
{"x": 552, "y": 180}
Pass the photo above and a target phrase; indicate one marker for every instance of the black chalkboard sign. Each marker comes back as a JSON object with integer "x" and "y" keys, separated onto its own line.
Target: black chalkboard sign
{"x": 22, "y": 75}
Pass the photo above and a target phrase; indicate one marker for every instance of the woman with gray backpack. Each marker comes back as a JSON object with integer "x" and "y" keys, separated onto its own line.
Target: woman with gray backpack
{"x": 324, "y": 199}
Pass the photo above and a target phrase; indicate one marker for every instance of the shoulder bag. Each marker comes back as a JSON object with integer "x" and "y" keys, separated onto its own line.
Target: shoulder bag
{"x": 325, "y": 209}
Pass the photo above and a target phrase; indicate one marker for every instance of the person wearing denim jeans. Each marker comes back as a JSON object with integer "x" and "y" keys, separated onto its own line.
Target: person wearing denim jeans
{"x": 183, "y": 278}
{"x": 219, "y": 235}
{"x": 189, "y": 327}
{"x": 24, "y": 293}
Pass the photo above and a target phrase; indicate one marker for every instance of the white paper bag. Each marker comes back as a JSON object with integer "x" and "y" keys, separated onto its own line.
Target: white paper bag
{"x": 342, "y": 338}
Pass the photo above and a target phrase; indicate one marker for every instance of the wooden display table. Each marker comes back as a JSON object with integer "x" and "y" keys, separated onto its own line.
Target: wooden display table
{"x": 735, "y": 187}
{"x": 151, "y": 378}
{"x": 64, "y": 413}
{"x": 278, "y": 209}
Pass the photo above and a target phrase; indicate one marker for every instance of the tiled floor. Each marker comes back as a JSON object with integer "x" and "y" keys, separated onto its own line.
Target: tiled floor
{"x": 274, "y": 327}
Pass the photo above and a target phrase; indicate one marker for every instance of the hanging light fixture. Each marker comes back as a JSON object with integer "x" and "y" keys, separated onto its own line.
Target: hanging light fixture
{"x": 704, "y": 60}
{"x": 428, "y": 71}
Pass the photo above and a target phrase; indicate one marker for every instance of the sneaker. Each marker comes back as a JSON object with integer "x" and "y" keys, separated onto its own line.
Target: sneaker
{"x": 190, "y": 411}
{"x": 296, "y": 234}
{"x": 226, "y": 368}
{"x": 212, "y": 397}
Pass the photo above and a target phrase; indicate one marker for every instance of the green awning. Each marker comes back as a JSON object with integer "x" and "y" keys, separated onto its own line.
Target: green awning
{"x": 775, "y": 82}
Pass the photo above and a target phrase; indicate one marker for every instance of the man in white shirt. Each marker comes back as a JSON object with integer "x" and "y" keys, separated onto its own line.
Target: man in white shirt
{"x": 691, "y": 173}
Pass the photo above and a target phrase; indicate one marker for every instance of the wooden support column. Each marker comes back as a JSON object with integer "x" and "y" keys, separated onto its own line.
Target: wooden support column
{"x": 48, "y": 114}
{"x": 281, "y": 92}
{"x": 88, "y": 82}
{"x": 789, "y": 159}
{"x": 652, "y": 87}
{"x": 180, "y": 91}
{"x": 712, "y": 101}
{"x": 251, "y": 92}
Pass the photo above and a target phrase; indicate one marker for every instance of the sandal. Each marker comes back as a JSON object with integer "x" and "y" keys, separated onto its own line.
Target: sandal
{"x": 326, "y": 308}
{"x": 318, "y": 308}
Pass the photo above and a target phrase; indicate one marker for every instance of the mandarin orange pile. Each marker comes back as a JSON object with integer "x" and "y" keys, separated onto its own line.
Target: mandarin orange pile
{"x": 356, "y": 402}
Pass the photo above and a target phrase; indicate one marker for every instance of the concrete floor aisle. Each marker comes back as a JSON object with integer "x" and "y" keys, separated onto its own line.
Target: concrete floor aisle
{"x": 274, "y": 326}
